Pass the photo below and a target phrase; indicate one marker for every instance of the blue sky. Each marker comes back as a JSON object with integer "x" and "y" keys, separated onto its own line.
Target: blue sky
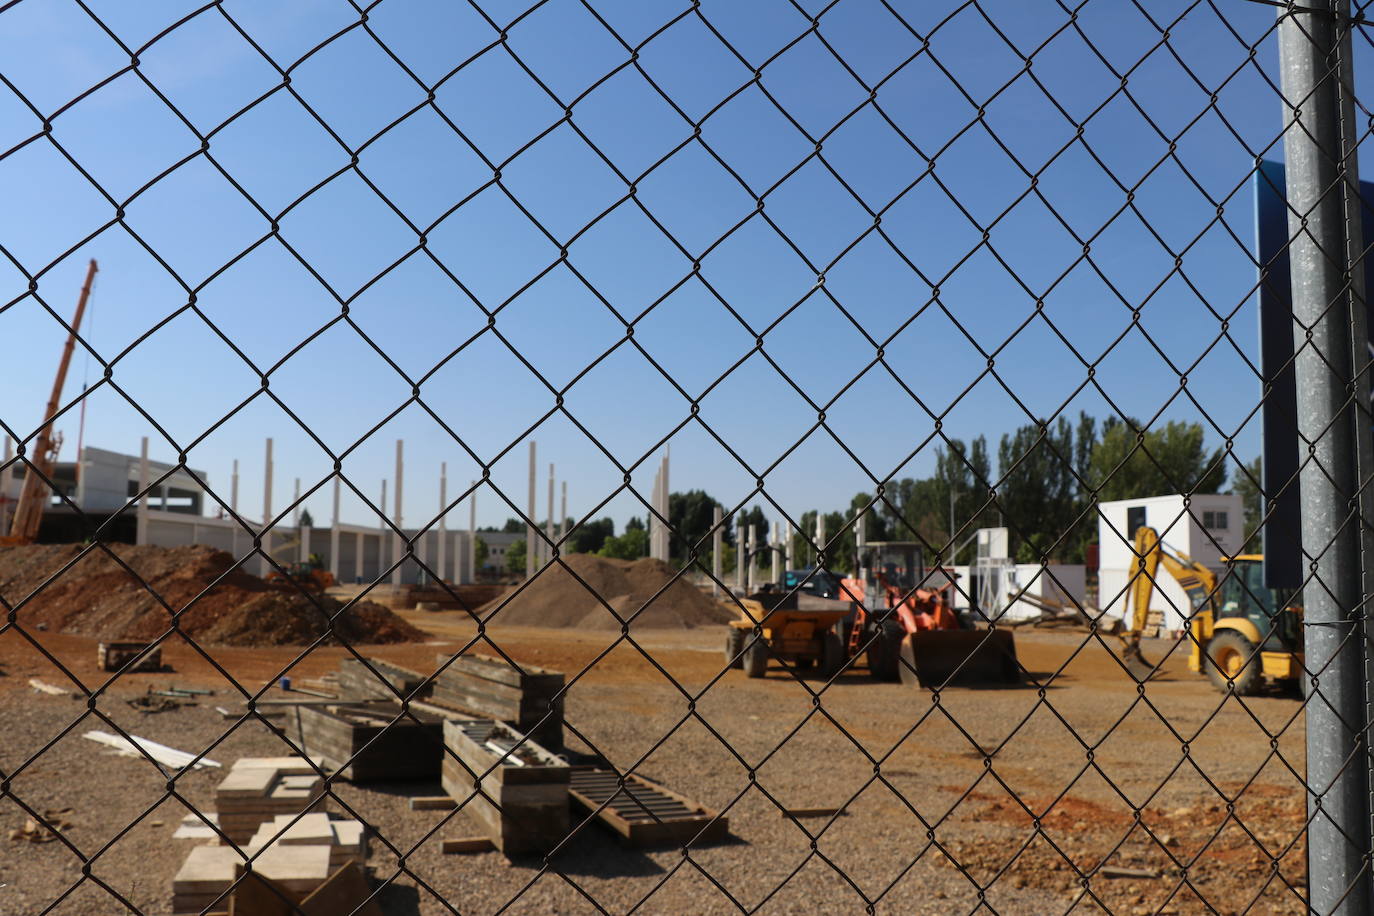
{"x": 690, "y": 259}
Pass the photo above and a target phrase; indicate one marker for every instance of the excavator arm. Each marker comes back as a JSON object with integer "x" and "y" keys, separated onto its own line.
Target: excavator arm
{"x": 1198, "y": 583}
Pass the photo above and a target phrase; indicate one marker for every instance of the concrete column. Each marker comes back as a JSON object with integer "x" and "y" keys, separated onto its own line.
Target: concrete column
{"x": 443, "y": 514}
{"x": 234, "y": 489}
{"x": 820, "y": 535}
{"x": 533, "y": 513}
{"x": 740, "y": 547}
{"x": 301, "y": 552}
{"x": 141, "y": 524}
{"x": 358, "y": 558}
{"x": 334, "y": 532}
{"x": 305, "y": 543}
{"x": 775, "y": 543}
{"x": 471, "y": 555}
{"x": 717, "y": 542}
{"x": 383, "y": 534}
{"x": 563, "y": 513}
{"x": 265, "y": 533}
{"x": 548, "y": 525}
{"x": 397, "y": 550}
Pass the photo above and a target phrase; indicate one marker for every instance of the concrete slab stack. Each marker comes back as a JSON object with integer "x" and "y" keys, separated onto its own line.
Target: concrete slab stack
{"x": 346, "y": 838}
{"x": 209, "y": 871}
{"x": 525, "y": 698}
{"x": 259, "y": 788}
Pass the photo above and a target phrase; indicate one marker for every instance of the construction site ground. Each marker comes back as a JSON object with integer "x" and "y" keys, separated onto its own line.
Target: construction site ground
{"x": 940, "y": 795}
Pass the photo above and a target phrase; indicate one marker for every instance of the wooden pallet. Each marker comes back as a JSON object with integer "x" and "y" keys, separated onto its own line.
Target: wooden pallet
{"x": 365, "y": 745}
{"x": 523, "y": 806}
{"x": 524, "y": 698}
{"x": 356, "y": 682}
{"x": 644, "y": 813}
{"x": 111, "y": 656}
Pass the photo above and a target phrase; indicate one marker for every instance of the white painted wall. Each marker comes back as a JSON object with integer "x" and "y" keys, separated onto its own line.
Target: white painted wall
{"x": 1181, "y": 531}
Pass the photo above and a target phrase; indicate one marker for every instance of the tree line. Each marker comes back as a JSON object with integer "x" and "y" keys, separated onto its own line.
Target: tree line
{"x": 1048, "y": 479}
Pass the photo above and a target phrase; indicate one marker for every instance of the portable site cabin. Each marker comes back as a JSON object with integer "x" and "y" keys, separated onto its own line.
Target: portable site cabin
{"x": 1209, "y": 528}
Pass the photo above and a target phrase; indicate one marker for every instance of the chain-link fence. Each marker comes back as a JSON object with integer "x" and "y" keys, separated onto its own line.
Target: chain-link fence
{"x": 1089, "y": 638}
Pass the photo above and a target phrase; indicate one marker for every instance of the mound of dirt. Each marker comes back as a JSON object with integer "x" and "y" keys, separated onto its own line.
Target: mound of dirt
{"x": 557, "y": 599}
{"x": 97, "y": 597}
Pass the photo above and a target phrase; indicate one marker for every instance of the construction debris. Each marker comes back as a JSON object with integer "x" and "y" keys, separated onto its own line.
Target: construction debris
{"x": 154, "y": 702}
{"x": 432, "y": 803}
{"x": 134, "y": 746}
{"x": 45, "y": 830}
{"x": 523, "y": 805}
{"x": 43, "y": 687}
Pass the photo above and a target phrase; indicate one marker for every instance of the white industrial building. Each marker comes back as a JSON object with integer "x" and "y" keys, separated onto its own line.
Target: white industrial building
{"x": 1208, "y": 527}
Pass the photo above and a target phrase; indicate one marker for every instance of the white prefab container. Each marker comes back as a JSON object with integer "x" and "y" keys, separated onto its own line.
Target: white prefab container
{"x": 1210, "y": 527}
{"x": 1057, "y": 584}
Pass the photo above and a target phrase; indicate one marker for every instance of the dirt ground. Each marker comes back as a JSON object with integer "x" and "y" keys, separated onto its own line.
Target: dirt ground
{"x": 1013, "y": 800}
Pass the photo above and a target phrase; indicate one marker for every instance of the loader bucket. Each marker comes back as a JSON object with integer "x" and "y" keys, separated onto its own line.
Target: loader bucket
{"x": 941, "y": 657}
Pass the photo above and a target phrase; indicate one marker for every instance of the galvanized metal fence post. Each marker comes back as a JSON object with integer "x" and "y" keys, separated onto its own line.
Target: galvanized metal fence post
{"x": 1311, "y": 47}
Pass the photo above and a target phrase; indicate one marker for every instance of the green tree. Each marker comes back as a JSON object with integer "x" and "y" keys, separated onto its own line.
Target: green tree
{"x": 480, "y": 552}
{"x": 631, "y": 545}
{"x": 513, "y": 526}
{"x": 589, "y": 536}
{"x": 1038, "y": 490}
{"x": 691, "y": 516}
{"x": 1247, "y": 486}
{"x": 1129, "y": 461}
{"x": 307, "y": 520}
{"x": 515, "y": 558}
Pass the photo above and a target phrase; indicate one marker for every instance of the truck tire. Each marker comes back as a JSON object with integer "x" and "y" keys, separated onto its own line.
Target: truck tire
{"x": 1232, "y": 659}
{"x": 734, "y": 643}
{"x": 832, "y": 654}
{"x": 756, "y": 658}
{"x": 884, "y": 652}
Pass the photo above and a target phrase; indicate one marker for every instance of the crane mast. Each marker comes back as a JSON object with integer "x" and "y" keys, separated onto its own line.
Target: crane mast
{"x": 33, "y": 497}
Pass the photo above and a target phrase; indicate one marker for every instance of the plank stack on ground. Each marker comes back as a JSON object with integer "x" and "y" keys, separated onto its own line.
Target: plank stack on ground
{"x": 523, "y": 803}
{"x": 259, "y": 788}
{"x": 527, "y": 699}
{"x": 346, "y": 838}
{"x": 642, "y": 812}
{"x": 385, "y": 682}
{"x": 366, "y": 742}
{"x": 209, "y": 871}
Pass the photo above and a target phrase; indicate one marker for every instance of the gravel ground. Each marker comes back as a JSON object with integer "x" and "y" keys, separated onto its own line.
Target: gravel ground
{"x": 970, "y": 771}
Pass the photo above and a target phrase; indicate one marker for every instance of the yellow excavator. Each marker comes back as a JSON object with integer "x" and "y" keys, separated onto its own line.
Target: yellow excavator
{"x": 1241, "y": 631}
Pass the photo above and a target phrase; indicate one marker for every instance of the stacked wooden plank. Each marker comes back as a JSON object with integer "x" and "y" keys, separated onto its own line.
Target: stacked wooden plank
{"x": 384, "y": 681}
{"x": 527, "y": 699}
{"x": 523, "y": 803}
{"x": 209, "y": 872}
{"x": 346, "y": 838}
{"x": 642, "y": 812}
{"x": 111, "y": 656}
{"x": 366, "y": 742}
{"x": 259, "y": 788}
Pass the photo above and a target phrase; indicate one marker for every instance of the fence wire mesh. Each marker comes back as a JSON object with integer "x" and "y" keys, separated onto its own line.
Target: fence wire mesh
{"x": 817, "y": 248}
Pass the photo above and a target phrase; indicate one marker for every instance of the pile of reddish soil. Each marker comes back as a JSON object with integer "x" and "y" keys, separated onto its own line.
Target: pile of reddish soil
{"x": 556, "y": 599}
{"x": 97, "y": 597}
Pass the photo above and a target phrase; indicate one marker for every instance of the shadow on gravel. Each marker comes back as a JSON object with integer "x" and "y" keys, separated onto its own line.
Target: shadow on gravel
{"x": 399, "y": 900}
{"x": 593, "y": 853}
